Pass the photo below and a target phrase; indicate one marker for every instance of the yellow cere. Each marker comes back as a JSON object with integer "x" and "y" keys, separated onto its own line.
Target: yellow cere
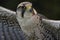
{"x": 28, "y": 6}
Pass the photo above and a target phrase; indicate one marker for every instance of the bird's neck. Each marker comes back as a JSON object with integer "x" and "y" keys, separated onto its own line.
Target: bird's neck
{"x": 23, "y": 21}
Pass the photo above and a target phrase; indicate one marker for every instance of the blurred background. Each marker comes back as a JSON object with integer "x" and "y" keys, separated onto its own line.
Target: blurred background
{"x": 49, "y": 8}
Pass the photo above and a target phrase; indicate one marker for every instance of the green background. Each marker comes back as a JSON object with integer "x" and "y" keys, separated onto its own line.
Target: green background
{"x": 49, "y": 8}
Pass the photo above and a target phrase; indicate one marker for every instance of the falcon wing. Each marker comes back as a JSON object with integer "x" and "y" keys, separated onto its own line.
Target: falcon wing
{"x": 53, "y": 26}
{"x": 9, "y": 27}
{"x": 53, "y": 23}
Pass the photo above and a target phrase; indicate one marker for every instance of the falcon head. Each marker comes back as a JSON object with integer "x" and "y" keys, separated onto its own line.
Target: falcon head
{"x": 25, "y": 10}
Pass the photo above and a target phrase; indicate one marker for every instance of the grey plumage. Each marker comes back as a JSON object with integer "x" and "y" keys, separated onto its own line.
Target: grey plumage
{"x": 9, "y": 27}
{"x": 42, "y": 28}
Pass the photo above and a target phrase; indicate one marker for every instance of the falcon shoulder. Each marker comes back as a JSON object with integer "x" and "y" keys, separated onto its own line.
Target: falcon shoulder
{"x": 52, "y": 23}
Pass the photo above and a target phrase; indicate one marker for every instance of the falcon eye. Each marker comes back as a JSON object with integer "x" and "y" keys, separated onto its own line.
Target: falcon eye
{"x": 23, "y": 7}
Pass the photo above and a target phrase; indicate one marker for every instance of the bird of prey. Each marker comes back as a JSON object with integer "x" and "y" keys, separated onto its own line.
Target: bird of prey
{"x": 34, "y": 26}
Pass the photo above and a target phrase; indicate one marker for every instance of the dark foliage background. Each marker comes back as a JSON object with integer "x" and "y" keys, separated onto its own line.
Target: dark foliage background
{"x": 49, "y": 8}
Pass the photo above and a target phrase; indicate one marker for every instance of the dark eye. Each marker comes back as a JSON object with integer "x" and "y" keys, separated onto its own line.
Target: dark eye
{"x": 23, "y": 7}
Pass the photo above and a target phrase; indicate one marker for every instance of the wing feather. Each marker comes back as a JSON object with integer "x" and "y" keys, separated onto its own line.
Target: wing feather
{"x": 9, "y": 25}
{"x": 53, "y": 23}
{"x": 7, "y": 10}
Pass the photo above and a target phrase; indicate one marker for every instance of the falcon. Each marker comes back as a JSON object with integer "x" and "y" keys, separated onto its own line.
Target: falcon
{"x": 34, "y": 25}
